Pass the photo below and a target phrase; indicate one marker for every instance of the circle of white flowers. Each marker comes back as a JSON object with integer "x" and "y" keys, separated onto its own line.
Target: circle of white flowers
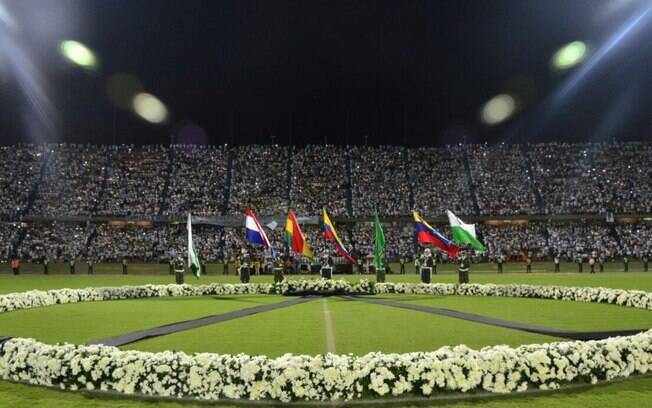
{"x": 205, "y": 376}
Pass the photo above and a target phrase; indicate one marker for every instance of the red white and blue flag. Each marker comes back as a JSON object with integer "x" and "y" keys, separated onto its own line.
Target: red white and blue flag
{"x": 255, "y": 232}
{"x": 428, "y": 235}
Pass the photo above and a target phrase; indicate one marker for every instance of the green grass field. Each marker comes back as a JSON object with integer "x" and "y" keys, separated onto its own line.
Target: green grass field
{"x": 322, "y": 325}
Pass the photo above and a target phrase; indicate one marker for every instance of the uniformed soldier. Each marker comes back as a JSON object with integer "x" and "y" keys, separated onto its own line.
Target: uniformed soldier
{"x": 580, "y": 263}
{"x": 626, "y": 263}
{"x": 417, "y": 264}
{"x": 179, "y": 269}
{"x": 124, "y": 266}
{"x": 427, "y": 264}
{"x": 402, "y": 263}
{"x": 71, "y": 264}
{"x": 327, "y": 264}
{"x": 245, "y": 268}
{"x": 46, "y": 265}
{"x": 464, "y": 265}
{"x": 499, "y": 261}
{"x": 601, "y": 263}
{"x": 556, "y": 260}
{"x": 528, "y": 264}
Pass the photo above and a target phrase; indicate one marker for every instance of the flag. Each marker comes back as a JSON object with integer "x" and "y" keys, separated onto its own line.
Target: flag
{"x": 296, "y": 241}
{"x": 331, "y": 234}
{"x": 464, "y": 233}
{"x": 379, "y": 250}
{"x": 428, "y": 235}
{"x": 193, "y": 259}
{"x": 255, "y": 232}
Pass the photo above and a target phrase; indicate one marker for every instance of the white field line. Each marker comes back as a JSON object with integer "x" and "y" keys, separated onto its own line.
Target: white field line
{"x": 328, "y": 326}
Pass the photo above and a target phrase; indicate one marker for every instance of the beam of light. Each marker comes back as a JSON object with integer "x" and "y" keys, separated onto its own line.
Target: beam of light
{"x": 535, "y": 122}
{"x": 78, "y": 54}
{"x": 498, "y": 109}
{"x": 569, "y": 55}
{"x": 150, "y": 108}
{"x": 39, "y": 113}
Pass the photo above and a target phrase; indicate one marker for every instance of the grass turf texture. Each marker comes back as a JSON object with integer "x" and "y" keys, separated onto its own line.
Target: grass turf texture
{"x": 356, "y": 328}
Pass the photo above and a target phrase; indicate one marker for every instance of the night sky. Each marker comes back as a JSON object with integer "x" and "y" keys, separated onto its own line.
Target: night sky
{"x": 382, "y": 72}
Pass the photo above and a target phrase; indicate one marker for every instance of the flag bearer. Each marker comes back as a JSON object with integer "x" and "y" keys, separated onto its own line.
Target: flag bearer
{"x": 464, "y": 265}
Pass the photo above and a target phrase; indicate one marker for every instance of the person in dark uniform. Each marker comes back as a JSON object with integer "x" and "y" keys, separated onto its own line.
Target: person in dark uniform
{"x": 124, "y": 266}
{"x": 580, "y": 264}
{"x": 15, "y": 266}
{"x": 645, "y": 262}
{"x": 171, "y": 267}
{"x": 71, "y": 265}
{"x": 402, "y": 263}
{"x": 528, "y": 264}
{"x": 427, "y": 264}
{"x": 464, "y": 266}
{"x": 601, "y": 263}
{"x": 499, "y": 261}
{"x": 225, "y": 266}
{"x": 90, "y": 267}
{"x": 626, "y": 263}
{"x": 179, "y": 269}
{"x": 245, "y": 268}
{"x": 46, "y": 265}
{"x": 327, "y": 264}
{"x": 556, "y": 261}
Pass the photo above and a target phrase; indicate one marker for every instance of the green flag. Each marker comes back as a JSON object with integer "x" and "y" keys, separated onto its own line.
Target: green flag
{"x": 193, "y": 259}
{"x": 464, "y": 233}
{"x": 379, "y": 251}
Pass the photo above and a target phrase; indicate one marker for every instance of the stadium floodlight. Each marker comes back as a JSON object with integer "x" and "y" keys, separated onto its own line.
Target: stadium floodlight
{"x": 150, "y": 108}
{"x": 569, "y": 55}
{"x": 498, "y": 109}
{"x": 78, "y": 54}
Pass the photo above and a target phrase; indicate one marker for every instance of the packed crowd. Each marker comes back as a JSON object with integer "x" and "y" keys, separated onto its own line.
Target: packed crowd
{"x": 72, "y": 180}
{"x": 158, "y": 242}
{"x": 54, "y": 241}
{"x": 379, "y": 181}
{"x": 148, "y": 181}
{"x": 319, "y": 179}
{"x": 20, "y": 167}
{"x": 501, "y": 179}
{"x": 593, "y": 178}
{"x": 439, "y": 181}
{"x": 197, "y": 180}
{"x": 260, "y": 180}
{"x": 134, "y": 181}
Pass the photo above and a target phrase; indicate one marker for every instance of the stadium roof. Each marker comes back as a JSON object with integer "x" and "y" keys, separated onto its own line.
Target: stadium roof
{"x": 377, "y": 72}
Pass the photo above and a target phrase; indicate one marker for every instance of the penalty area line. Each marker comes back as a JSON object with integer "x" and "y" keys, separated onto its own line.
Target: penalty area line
{"x": 328, "y": 327}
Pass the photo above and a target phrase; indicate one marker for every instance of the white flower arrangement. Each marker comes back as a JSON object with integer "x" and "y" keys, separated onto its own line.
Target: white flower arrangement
{"x": 204, "y": 376}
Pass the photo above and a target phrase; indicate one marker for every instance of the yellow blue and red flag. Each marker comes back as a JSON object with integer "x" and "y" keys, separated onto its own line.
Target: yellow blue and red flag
{"x": 331, "y": 234}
